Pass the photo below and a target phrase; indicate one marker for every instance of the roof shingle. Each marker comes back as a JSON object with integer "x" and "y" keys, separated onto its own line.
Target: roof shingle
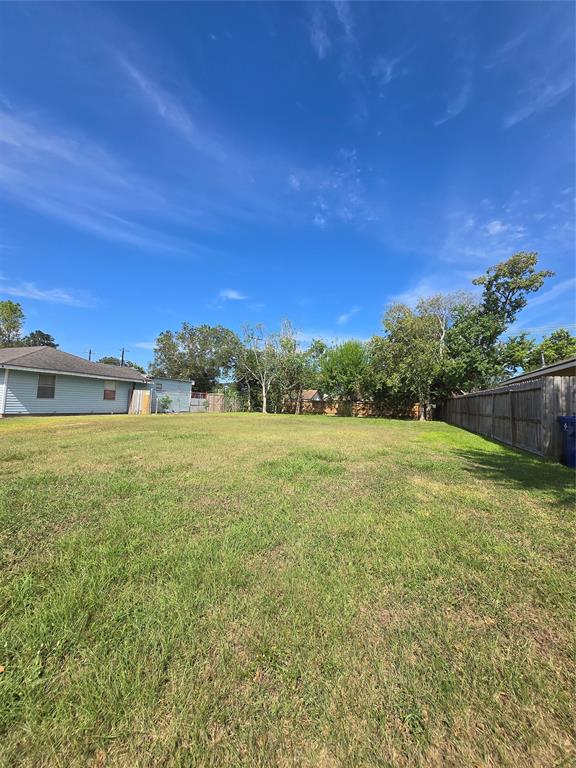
{"x": 50, "y": 359}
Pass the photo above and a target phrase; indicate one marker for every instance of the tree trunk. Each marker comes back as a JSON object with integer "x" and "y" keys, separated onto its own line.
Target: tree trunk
{"x": 264, "y": 404}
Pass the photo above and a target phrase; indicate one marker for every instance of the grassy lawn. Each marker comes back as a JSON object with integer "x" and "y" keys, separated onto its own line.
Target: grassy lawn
{"x": 242, "y": 590}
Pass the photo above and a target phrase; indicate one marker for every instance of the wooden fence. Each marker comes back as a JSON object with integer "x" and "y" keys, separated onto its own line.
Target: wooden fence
{"x": 522, "y": 415}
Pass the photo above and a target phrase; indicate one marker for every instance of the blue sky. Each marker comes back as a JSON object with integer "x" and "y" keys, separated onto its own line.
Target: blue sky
{"x": 248, "y": 162}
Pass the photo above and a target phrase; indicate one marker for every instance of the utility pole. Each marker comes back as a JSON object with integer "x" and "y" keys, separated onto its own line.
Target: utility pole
{"x": 122, "y": 358}
{"x": 89, "y": 354}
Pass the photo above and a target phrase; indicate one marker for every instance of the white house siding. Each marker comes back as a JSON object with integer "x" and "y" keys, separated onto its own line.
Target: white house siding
{"x": 73, "y": 394}
{"x": 2, "y": 380}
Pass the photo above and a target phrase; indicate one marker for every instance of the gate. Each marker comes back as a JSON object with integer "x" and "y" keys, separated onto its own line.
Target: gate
{"x": 198, "y": 402}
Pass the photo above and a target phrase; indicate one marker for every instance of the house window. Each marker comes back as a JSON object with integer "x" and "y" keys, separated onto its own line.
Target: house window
{"x": 158, "y": 387}
{"x": 109, "y": 390}
{"x": 46, "y": 386}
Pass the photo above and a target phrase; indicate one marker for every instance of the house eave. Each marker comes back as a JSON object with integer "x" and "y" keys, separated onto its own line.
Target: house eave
{"x": 11, "y": 367}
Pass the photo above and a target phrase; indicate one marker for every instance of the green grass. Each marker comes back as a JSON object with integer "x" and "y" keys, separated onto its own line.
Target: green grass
{"x": 242, "y": 590}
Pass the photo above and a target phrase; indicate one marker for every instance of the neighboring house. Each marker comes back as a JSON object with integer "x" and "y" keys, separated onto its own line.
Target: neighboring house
{"x": 43, "y": 381}
{"x": 311, "y": 394}
{"x": 178, "y": 390}
{"x": 561, "y": 368}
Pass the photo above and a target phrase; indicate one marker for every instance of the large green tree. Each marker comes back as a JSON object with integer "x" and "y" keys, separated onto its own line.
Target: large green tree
{"x": 474, "y": 357}
{"x": 345, "y": 371}
{"x": 39, "y": 339}
{"x": 203, "y": 353}
{"x": 11, "y": 321}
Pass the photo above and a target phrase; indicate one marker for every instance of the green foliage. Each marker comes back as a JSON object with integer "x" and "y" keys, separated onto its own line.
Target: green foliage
{"x": 164, "y": 403}
{"x": 345, "y": 371}
{"x": 559, "y": 345}
{"x": 39, "y": 339}
{"x": 507, "y": 285}
{"x": 202, "y": 353}
{"x": 111, "y": 360}
{"x": 11, "y": 320}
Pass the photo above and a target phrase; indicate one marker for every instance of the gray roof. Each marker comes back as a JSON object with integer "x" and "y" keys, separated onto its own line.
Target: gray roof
{"x": 546, "y": 370}
{"x": 50, "y": 359}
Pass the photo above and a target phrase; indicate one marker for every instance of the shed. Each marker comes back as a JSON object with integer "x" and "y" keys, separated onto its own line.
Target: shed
{"x": 178, "y": 390}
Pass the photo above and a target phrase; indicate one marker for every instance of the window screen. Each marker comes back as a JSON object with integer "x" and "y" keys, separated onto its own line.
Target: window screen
{"x": 46, "y": 385}
{"x": 109, "y": 390}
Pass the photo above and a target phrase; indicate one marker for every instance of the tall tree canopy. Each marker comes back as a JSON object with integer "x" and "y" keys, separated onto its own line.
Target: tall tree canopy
{"x": 111, "y": 360}
{"x": 11, "y": 321}
{"x": 345, "y": 371}
{"x": 203, "y": 353}
{"x": 39, "y": 339}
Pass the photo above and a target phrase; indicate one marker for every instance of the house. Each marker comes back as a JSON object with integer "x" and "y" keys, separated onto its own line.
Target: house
{"x": 311, "y": 394}
{"x": 565, "y": 367}
{"x": 43, "y": 381}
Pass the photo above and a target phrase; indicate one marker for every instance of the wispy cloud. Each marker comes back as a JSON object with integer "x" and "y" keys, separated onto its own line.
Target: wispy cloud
{"x": 144, "y": 344}
{"x": 385, "y": 70}
{"x": 495, "y": 227}
{"x": 541, "y": 94}
{"x": 457, "y": 102}
{"x": 345, "y": 317}
{"x": 73, "y": 179}
{"x": 229, "y": 294}
{"x": 554, "y": 293}
{"x": 318, "y": 30}
{"x": 173, "y": 112}
{"x": 502, "y": 54}
{"x": 344, "y": 15}
{"x": 29, "y": 290}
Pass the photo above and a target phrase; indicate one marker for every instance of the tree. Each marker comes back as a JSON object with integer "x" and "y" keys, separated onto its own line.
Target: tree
{"x": 111, "y": 360}
{"x": 259, "y": 359}
{"x": 516, "y": 352}
{"x": 507, "y": 285}
{"x": 39, "y": 339}
{"x": 298, "y": 367}
{"x": 345, "y": 371}
{"x": 203, "y": 353}
{"x": 408, "y": 359}
{"x": 559, "y": 345}
{"x": 11, "y": 320}
{"x": 474, "y": 355}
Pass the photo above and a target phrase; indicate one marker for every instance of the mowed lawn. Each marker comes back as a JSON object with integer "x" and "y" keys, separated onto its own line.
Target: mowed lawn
{"x": 247, "y": 590}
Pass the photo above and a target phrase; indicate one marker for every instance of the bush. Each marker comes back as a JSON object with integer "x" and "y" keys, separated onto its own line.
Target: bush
{"x": 164, "y": 403}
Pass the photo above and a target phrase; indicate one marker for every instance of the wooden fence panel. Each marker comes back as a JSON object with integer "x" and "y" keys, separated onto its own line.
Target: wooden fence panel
{"x": 522, "y": 415}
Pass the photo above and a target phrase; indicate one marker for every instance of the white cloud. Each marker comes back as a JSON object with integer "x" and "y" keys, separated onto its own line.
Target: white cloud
{"x": 385, "y": 70}
{"x": 346, "y": 316}
{"x": 541, "y": 94}
{"x": 554, "y": 292}
{"x": 229, "y": 294}
{"x": 319, "y": 34}
{"x": 319, "y": 220}
{"x": 344, "y": 15}
{"x": 73, "y": 179}
{"x": 495, "y": 227}
{"x": 294, "y": 182}
{"x": 457, "y": 103}
{"x": 28, "y": 290}
{"x": 174, "y": 113}
{"x": 144, "y": 344}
